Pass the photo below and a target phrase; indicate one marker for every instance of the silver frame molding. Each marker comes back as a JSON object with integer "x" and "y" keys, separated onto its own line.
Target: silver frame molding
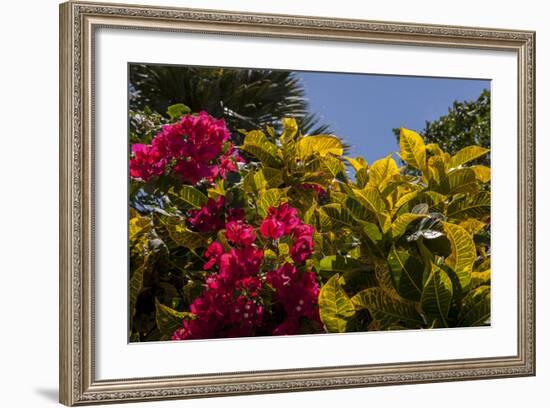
{"x": 78, "y": 22}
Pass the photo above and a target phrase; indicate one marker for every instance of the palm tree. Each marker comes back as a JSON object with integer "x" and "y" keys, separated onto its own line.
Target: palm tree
{"x": 246, "y": 98}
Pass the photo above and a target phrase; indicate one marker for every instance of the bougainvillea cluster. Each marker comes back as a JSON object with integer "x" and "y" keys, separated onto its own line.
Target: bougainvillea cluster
{"x": 233, "y": 303}
{"x": 195, "y": 148}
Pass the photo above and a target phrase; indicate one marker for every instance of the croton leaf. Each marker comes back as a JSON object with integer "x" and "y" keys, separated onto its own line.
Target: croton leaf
{"x": 407, "y": 271}
{"x": 467, "y": 154}
{"x": 463, "y": 253}
{"x": 385, "y": 308}
{"x": 168, "y": 320}
{"x": 187, "y": 195}
{"x": 437, "y": 295}
{"x": 413, "y": 150}
{"x": 335, "y": 307}
{"x": 322, "y": 145}
{"x": 476, "y": 307}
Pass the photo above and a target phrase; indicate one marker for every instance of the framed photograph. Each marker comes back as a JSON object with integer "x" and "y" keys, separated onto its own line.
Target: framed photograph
{"x": 256, "y": 203}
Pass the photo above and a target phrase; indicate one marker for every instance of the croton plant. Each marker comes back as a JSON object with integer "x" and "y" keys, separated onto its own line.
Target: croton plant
{"x": 273, "y": 232}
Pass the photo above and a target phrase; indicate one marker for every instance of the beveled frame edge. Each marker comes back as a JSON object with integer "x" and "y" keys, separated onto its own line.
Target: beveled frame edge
{"x": 76, "y": 376}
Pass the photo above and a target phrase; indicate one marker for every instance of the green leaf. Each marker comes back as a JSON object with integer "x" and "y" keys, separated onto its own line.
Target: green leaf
{"x": 322, "y": 145}
{"x": 476, "y": 307}
{"x": 463, "y": 253}
{"x": 176, "y": 111}
{"x": 190, "y": 196}
{"x": 256, "y": 143}
{"x": 387, "y": 309}
{"x": 407, "y": 271}
{"x": 399, "y": 226}
{"x": 413, "y": 150}
{"x": 437, "y": 295}
{"x": 467, "y": 154}
{"x": 136, "y": 285}
{"x": 335, "y": 306}
{"x": 168, "y": 320}
{"x": 340, "y": 264}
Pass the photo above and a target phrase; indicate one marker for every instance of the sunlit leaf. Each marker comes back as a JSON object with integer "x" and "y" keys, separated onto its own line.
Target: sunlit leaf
{"x": 413, "y": 150}
{"x": 381, "y": 172}
{"x": 322, "y": 145}
{"x": 467, "y": 154}
{"x": 256, "y": 143}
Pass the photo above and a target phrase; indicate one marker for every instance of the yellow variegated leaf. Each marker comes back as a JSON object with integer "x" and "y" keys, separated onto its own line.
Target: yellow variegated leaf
{"x": 437, "y": 295}
{"x": 188, "y": 195}
{"x": 290, "y": 130}
{"x": 270, "y": 198}
{"x": 335, "y": 307}
{"x": 480, "y": 278}
{"x": 358, "y": 163}
{"x": 169, "y": 320}
{"x": 387, "y": 309}
{"x": 138, "y": 224}
{"x": 476, "y": 206}
{"x": 333, "y": 165}
{"x": 322, "y": 145}
{"x": 463, "y": 253}
{"x": 401, "y": 223}
{"x": 462, "y": 180}
{"x": 483, "y": 173}
{"x": 371, "y": 197}
{"x": 183, "y": 237}
{"x": 434, "y": 149}
{"x": 338, "y": 215}
{"x": 413, "y": 149}
{"x": 467, "y": 154}
{"x": 476, "y": 307}
{"x": 472, "y": 225}
{"x": 257, "y": 144}
{"x": 381, "y": 172}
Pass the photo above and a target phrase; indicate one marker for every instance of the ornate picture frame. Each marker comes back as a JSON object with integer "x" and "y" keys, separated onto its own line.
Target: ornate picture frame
{"x": 78, "y": 24}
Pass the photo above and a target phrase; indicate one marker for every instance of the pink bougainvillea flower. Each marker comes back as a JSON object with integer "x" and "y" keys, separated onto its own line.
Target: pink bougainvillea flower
{"x": 302, "y": 248}
{"x": 239, "y": 233}
{"x": 195, "y": 144}
{"x": 146, "y": 163}
{"x": 297, "y": 293}
{"x": 210, "y": 217}
{"x": 213, "y": 254}
{"x": 272, "y": 228}
{"x": 287, "y": 215}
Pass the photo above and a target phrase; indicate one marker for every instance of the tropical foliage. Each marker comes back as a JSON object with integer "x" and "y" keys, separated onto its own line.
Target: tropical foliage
{"x": 270, "y": 231}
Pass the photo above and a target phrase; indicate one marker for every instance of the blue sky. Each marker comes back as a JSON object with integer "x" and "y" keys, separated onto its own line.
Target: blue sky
{"x": 363, "y": 109}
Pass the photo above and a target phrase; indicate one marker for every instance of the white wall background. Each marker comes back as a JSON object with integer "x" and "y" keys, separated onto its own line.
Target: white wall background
{"x": 29, "y": 194}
